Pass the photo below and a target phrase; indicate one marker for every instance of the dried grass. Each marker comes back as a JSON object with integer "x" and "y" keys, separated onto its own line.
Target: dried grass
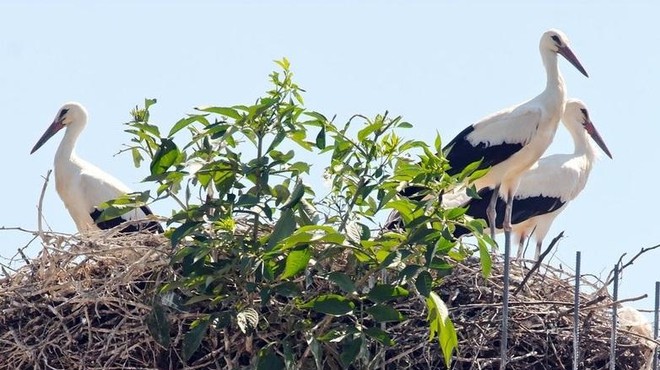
{"x": 82, "y": 303}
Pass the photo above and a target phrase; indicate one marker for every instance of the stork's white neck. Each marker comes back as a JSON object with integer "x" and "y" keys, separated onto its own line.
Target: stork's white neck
{"x": 66, "y": 150}
{"x": 582, "y": 143}
{"x": 555, "y": 82}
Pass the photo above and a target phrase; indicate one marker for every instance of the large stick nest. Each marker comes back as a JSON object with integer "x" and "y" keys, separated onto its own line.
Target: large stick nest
{"x": 83, "y": 303}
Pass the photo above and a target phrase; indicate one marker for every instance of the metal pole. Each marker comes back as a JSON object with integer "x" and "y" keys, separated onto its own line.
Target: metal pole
{"x": 615, "y": 297}
{"x": 576, "y": 314}
{"x": 505, "y": 303}
{"x": 655, "y": 323}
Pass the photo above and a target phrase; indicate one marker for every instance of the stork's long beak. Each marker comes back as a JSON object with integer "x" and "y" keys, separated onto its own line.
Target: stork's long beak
{"x": 591, "y": 129}
{"x": 567, "y": 53}
{"x": 52, "y": 130}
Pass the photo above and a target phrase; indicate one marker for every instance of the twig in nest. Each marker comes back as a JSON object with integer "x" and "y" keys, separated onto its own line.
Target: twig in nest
{"x": 538, "y": 263}
{"x": 602, "y": 307}
{"x": 610, "y": 276}
{"x": 40, "y": 206}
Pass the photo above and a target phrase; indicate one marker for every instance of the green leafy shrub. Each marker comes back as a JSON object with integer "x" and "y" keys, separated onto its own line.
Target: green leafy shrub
{"x": 251, "y": 236}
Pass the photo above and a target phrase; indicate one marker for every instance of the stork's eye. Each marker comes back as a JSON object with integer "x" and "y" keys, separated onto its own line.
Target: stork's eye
{"x": 63, "y": 112}
{"x": 585, "y": 113}
{"x": 556, "y": 39}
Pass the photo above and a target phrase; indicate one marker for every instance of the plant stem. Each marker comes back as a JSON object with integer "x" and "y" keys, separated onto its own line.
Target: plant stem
{"x": 260, "y": 142}
{"x": 358, "y": 189}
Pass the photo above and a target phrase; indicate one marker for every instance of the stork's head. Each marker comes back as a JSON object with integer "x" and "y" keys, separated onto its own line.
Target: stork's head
{"x": 557, "y": 42}
{"x": 71, "y": 115}
{"x": 576, "y": 114}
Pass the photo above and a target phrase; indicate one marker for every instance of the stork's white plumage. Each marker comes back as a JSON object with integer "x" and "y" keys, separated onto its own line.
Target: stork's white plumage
{"x": 83, "y": 186}
{"x": 509, "y": 142}
{"x": 512, "y": 140}
{"x": 547, "y": 188}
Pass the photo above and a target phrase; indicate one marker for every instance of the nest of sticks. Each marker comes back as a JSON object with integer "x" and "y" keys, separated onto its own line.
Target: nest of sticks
{"x": 83, "y": 303}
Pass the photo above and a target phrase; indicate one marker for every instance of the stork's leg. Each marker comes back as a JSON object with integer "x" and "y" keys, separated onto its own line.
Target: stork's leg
{"x": 521, "y": 247}
{"x": 538, "y": 250}
{"x": 491, "y": 212}
{"x": 506, "y": 225}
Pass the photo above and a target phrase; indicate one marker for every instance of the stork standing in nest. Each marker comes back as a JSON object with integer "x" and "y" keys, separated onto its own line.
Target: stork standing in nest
{"x": 510, "y": 141}
{"x": 83, "y": 186}
{"x": 547, "y": 188}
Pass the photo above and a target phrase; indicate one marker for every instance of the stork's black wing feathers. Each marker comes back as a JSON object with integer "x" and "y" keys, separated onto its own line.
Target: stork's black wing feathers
{"x": 151, "y": 226}
{"x": 523, "y": 208}
{"x": 460, "y": 152}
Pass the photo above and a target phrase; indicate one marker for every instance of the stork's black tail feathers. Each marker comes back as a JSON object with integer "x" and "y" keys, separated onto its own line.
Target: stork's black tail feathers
{"x": 143, "y": 225}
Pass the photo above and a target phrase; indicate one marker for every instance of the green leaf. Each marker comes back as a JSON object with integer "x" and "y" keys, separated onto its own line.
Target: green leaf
{"x": 380, "y": 335}
{"x": 472, "y": 192}
{"x": 158, "y": 325}
{"x": 484, "y": 256}
{"x": 330, "y": 304}
{"x": 281, "y": 193}
{"x": 165, "y": 157}
{"x": 308, "y": 213}
{"x": 296, "y": 261}
{"x": 182, "y": 231}
{"x": 316, "y": 115}
{"x": 469, "y": 169}
{"x": 384, "y": 313}
{"x": 270, "y": 361}
{"x": 362, "y": 134}
{"x": 424, "y": 283}
{"x": 284, "y": 63}
{"x": 183, "y": 122}
{"x": 317, "y": 351}
{"x": 247, "y": 200}
{"x": 284, "y": 227}
{"x": 454, "y": 213}
{"x": 409, "y": 271}
{"x": 479, "y": 174}
{"x": 343, "y": 281}
{"x": 296, "y": 195}
{"x": 277, "y": 140}
{"x": 223, "y": 111}
{"x": 112, "y": 212}
{"x": 287, "y": 289}
{"x": 438, "y": 143}
{"x": 320, "y": 138}
{"x": 149, "y": 102}
{"x": 385, "y": 292}
{"x": 289, "y": 357}
{"x": 193, "y": 338}
{"x": 151, "y": 129}
{"x": 137, "y": 157}
{"x": 350, "y": 350}
{"x": 441, "y": 326}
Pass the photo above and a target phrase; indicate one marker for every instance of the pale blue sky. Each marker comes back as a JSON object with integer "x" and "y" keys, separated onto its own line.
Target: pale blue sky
{"x": 440, "y": 66}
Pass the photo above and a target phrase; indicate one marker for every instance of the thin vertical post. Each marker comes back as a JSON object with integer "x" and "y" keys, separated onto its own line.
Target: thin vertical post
{"x": 576, "y": 313}
{"x": 505, "y": 303}
{"x": 615, "y": 297}
{"x": 655, "y": 323}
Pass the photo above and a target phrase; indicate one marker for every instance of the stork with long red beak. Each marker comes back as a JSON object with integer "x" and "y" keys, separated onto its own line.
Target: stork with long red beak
{"x": 510, "y": 141}
{"x": 547, "y": 188}
{"x": 83, "y": 186}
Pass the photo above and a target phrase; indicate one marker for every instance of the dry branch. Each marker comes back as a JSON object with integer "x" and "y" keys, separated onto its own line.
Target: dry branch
{"x": 83, "y": 301}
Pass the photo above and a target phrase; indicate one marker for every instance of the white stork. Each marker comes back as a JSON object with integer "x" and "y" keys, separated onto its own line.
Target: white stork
{"x": 509, "y": 142}
{"x": 512, "y": 140}
{"x": 551, "y": 183}
{"x": 83, "y": 186}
